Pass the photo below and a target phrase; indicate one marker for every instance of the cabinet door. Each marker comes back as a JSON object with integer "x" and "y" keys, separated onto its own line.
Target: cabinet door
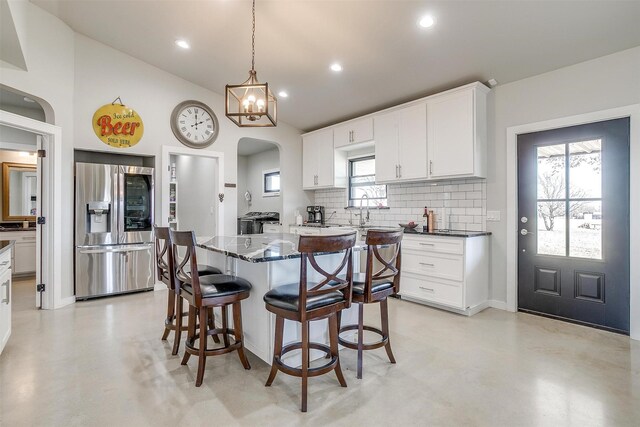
{"x": 450, "y": 128}
{"x": 342, "y": 135}
{"x": 25, "y": 258}
{"x": 309, "y": 162}
{"x": 387, "y": 139}
{"x": 5, "y": 308}
{"x": 362, "y": 130}
{"x": 413, "y": 142}
{"x": 325, "y": 158}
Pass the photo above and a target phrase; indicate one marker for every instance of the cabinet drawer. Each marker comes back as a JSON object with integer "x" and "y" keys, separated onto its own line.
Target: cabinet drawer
{"x": 5, "y": 261}
{"x": 435, "y": 264}
{"x": 434, "y": 244}
{"x": 271, "y": 228}
{"x": 430, "y": 289}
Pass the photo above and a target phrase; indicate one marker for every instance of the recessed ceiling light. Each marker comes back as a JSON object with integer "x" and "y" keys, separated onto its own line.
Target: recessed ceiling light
{"x": 283, "y": 94}
{"x": 27, "y": 99}
{"x": 336, "y": 67}
{"x": 427, "y": 21}
{"x": 183, "y": 44}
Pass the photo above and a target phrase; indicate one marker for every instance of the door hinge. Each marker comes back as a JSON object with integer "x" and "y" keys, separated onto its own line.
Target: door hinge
{"x": 40, "y": 287}
{"x": 41, "y": 220}
{"x": 42, "y": 153}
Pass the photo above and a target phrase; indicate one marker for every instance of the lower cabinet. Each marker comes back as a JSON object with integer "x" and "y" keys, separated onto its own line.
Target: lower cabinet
{"x": 448, "y": 272}
{"x": 24, "y": 251}
{"x": 5, "y": 298}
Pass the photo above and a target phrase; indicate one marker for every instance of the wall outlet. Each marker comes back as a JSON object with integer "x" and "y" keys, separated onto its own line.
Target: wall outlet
{"x": 493, "y": 215}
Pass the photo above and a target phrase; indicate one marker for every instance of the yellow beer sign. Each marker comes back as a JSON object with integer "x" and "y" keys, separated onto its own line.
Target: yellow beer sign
{"x": 118, "y": 125}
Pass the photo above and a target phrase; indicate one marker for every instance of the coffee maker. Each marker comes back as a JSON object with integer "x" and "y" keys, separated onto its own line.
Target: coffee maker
{"x": 315, "y": 214}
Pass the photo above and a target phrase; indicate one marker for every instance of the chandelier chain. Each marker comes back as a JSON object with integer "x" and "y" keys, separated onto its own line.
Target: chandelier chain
{"x": 253, "y": 37}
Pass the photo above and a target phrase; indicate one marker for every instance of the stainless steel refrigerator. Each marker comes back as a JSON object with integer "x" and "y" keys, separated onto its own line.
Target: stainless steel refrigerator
{"x": 114, "y": 249}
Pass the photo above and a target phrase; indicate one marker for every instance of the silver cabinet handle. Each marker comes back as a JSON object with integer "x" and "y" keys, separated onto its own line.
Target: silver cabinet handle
{"x": 430, "y": 167}
{"x": 399, "y": 171}
{"x": 426, "y": 289}
{"x": 7, "y": 300}
{"x": 427, "y": 244}
{"x": 427, "y": 264}
{"x": 396, "y": 171}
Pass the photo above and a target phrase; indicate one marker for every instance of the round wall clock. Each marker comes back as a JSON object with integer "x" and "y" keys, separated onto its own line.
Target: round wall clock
{"x": 194, "y": 124}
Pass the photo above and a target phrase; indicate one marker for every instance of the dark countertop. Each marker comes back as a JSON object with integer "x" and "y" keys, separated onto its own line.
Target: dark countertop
{"x": 16, "y": 229}
{"x": 5, "y": 245}
{"x": 259, "y": 247}
{"x": 448, "y": 233}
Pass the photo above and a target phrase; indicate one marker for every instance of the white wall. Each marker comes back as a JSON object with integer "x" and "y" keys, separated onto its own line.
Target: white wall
{"x": 72, "y": 75}
{"x": 607, "y": 82}
{"x": 243, "y": 207}
{"x": 196, "y": 177}
{"x": 255, "y": 165}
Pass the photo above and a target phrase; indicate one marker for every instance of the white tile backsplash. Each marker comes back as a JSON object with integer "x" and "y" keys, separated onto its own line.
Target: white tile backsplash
{"x": 464, "y": 202}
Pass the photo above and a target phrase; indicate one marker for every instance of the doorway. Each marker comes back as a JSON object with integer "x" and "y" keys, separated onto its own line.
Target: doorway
{"x": 573, "y": 223}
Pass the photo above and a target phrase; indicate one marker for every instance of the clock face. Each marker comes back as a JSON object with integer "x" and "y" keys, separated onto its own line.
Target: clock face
{"x": 194, "y": 124}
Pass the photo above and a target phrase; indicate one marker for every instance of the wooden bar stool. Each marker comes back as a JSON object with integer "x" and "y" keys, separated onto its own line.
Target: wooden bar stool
{"x": 162, "y": 263}
{"x": 306, "y": 301}
{"x": 375, "y": 287}
{"x": 203, "y": 293}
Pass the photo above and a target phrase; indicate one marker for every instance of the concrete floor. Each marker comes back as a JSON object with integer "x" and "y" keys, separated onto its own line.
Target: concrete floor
{"x": 102, "y": 363}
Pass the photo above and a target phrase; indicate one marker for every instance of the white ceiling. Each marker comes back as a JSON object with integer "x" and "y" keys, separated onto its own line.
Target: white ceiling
{"x": 387, "y": 58}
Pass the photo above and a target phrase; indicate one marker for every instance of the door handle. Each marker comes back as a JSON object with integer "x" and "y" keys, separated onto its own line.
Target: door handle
{"x": 396, "y": 171}
{"x": 525, "y": 232}
{"x": 399, "y": 171}
{"x": 430, "y": 167}
{"x": 7, "y": 300}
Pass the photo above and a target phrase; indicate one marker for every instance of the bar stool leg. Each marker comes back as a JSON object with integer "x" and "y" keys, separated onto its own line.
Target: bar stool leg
{"x": 277, "y": 350}
{"x": 191, "y": 332}
{"x": 225, "y": 325}
{"x": 171, "y": 308}
{"x": 212, "y": 325}
{"x": 202, "y": 346}
{"x": 237, "y": 329}
{"x": 360, "y": 339}
{"x": 305, "y": 363}
{"x": 333, "y": 344}
{"x": 178, "y": 325}
{"x": 384, "y": 313}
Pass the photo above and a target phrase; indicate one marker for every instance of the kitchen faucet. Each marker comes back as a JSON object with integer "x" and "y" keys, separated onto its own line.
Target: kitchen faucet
{"x": 362, "y": 220}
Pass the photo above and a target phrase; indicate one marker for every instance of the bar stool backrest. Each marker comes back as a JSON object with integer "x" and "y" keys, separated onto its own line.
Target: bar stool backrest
{"x": 162, "y": 255}
{"x": 308, "y": 246}
{"x": 390, "y": 269}
{"x": 187, "y": 241}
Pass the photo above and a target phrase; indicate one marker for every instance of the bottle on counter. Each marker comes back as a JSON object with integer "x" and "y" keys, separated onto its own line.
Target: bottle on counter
{"x": 431, "y": 219}
{"x": 298, "y": 218}
{"x": 425, "y": 220}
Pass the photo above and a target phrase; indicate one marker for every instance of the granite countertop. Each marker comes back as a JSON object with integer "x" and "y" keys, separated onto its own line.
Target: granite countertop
{"x": 14, "y": 229}
{"x": 259, "y": 247}
{"x": 5, "y": 245}
{"x": 449, "y": 233}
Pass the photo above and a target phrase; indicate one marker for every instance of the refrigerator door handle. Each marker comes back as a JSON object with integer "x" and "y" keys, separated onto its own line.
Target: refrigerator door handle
{"x": 101, "y": 250}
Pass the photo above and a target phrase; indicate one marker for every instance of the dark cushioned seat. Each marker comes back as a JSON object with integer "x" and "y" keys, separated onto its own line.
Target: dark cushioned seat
{"x": 287, "y": 297}
{"x": 359, "y": 280}
{"x": 219, "y": 285}
{"x": 203, "y": 270}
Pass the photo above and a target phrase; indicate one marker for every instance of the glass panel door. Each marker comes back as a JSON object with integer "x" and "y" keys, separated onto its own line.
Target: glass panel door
{"x": 137, "y": 202}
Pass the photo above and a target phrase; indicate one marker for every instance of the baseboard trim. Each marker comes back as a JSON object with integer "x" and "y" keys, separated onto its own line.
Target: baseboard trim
{"x": 500, "y": 305}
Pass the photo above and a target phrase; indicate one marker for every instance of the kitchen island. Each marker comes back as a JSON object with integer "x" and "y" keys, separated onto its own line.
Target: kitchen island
{"x": 267, "y": 261}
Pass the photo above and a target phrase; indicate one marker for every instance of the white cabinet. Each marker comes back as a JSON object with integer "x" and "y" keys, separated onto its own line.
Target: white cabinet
{"x": 322, "y": 166}
{"x": 5, "y": 298}
{"x": 24, "y": 251}
{"x": 305, "y": 231}
{"x": 456, "y": 138}
{"x": 448, "y": 272}
{"x": 353, "y": 132}
{"x": 401, "y": 144}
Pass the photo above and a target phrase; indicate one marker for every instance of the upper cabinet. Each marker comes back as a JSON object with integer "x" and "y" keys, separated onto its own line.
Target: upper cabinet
{"x": 457, "y": 133}
{"x": 401, "y": 144}
{"x": 354, "y": 132}
{"x": 322, "y": 166}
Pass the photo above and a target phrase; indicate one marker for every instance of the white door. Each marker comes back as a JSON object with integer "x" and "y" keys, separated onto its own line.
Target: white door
{"x": 451, "y": 128}
{"x": 387, "y": 140}
{"x": 342, "y": 135}
{"x": 309, "y": 162}
{"x": 413, "y": 142}
{"x": 325, "y": 158}
{"x": 41, "y": 171}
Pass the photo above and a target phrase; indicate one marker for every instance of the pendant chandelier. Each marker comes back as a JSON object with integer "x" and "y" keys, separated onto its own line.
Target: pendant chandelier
{"x": 251, "y": 104}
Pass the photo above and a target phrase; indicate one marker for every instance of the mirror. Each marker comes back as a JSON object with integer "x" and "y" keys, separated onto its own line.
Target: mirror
{"x": 19, "y": 190}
